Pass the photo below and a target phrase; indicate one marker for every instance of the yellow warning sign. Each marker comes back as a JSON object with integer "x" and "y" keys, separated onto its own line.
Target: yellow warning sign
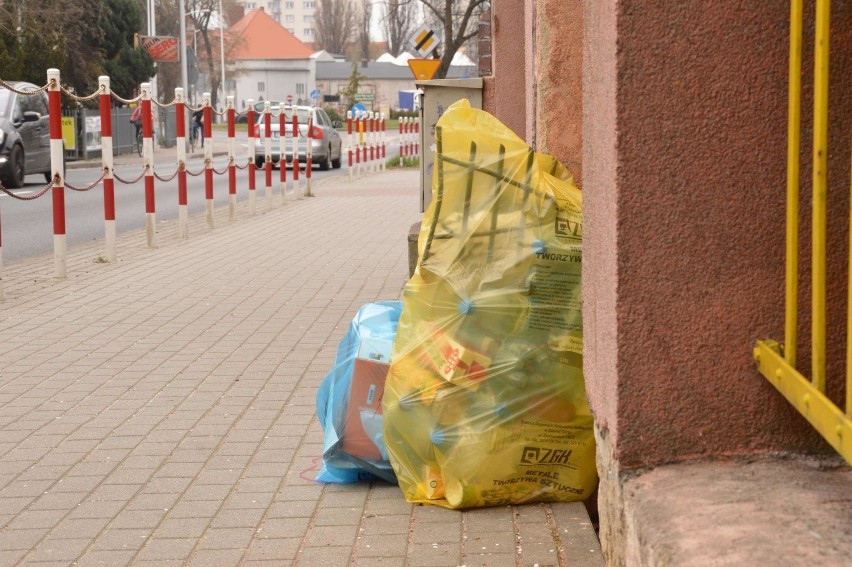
{"x": 424, "y": 69}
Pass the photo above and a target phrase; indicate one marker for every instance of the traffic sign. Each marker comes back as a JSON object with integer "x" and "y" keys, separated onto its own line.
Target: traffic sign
{"x": 365, "y": 97}
{"x": 358, "y": 107}
{"x": 289, "y": 99}
{"x": 424, "y": 69}
{"x": 315, "y": 94}
{"x": 424, "y": 41}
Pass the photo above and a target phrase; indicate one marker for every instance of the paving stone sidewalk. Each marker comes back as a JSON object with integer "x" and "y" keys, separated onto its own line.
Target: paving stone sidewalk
{"x": 160, "y": 409}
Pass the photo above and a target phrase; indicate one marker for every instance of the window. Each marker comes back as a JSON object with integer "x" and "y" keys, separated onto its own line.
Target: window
{"x": 275, "y": 6}
{"x": 261, "y": 86}
{"x": 289, "y": 5}
{"x": 251, "y": 5}
{"x": 309, "y": 31}
{"x": 290, "y": 18}
{"x": 292, "y": 30}
{"x": 310, "y": 4}
{"x": 33, "y": 103}
{"x": 300, "y": 88}
{"x": 308, "y": 18}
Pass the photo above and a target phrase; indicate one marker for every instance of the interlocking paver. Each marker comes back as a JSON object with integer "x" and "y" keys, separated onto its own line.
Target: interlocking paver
{"x": 161, "y": 410}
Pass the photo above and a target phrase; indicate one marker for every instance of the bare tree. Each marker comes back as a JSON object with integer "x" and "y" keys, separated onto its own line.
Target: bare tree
{"x": 200, "y": 13}
{"x": 335, "y": 24}
{"x": 459, "y": 20}
{"x": 364, "y": 28}
{"x": 399, "y": 20}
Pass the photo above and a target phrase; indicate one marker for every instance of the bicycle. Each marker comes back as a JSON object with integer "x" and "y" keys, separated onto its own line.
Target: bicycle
{"x": 194, "y": 131}
{"x": 138, "y": 140}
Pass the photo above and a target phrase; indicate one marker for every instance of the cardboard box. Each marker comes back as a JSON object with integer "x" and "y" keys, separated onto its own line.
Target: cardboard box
{"x": 365, "y": 393}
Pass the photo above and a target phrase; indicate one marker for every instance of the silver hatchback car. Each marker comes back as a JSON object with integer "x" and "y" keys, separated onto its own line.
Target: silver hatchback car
{"x": 326, "y": 148}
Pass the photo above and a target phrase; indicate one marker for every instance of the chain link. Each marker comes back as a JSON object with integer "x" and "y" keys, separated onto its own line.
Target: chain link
{"x": 91, "y": 186}
{"x": 169, "y": 178}
{"x": 125, "y": 100}
{"x": 28, "y": 197}
{"x": 216, "y": 171}
{"x": 128, "y": 182}
{"x": 92, "y": 96}
{"x": 194, "y": 108}
{"x": 166, "y": 104}
{"x": 6, "y": 85}
{"x": 195, "y": 174}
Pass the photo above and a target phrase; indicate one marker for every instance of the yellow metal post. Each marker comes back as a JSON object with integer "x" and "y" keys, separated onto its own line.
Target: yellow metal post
{"x": 820, "y": 160}
{"x": 794, "y": 115}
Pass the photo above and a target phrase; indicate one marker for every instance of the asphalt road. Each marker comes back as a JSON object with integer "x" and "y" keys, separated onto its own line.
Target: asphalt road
{"x": 27, "y": 226}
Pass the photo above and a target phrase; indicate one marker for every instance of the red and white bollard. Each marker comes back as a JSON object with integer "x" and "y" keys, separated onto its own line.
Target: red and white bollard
{"x": 267, "y": 151}
{"x": 282, "y": 151}
{"x": 401, "y": 145}
{"x": 359, "y": 130}
{"x": 371, "y": 140}
{"x": 208, "y": 156}
{"x": 180, "y": 134}
{"x": 148, "y": 161}
{"x": 417, "y": 136}
{"x": 384, "y": 147}
{"x": 296, "y": 135}
{"x": 403, "y": 140}
{"x": 106, "y": 164}
{"x": 250, "y": 155}
{"x": 349, "y": 140}
{"x": 232, "y": 163}
{"x": 54, "y": 96}
{"x": 309, "y": 150}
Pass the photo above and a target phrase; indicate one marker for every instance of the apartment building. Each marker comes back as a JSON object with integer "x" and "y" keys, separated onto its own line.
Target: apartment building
{"x": 296, "y": 16}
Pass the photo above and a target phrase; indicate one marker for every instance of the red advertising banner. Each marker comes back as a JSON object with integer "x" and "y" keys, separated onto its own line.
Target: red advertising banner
{"x": 164, "y": 49}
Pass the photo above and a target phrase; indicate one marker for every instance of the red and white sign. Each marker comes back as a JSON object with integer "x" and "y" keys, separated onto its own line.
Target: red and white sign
{"x": 163, "y": 49}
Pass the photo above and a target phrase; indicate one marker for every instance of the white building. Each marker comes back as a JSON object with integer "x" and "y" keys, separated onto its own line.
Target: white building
{"x": 269, "y": 62}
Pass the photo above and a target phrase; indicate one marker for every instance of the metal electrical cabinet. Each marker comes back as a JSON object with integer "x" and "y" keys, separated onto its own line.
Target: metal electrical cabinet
{"x": 437, "y": 96}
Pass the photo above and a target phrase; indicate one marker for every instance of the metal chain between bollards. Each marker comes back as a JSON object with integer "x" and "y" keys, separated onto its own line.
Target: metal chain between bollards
{"x": 90, "y": 186}
{"x": 6, "y": 85}
{"x": 28, "y": 197}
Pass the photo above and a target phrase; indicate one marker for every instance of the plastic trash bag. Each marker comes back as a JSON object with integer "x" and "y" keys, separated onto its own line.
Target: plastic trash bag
{"x": 349, "y": 399}
{"x": 485, "y": 402}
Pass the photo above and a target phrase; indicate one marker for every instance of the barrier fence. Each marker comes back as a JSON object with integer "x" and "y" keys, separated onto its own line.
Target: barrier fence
{"x": 369, "y": 151}
{"x": 817, "y": 397}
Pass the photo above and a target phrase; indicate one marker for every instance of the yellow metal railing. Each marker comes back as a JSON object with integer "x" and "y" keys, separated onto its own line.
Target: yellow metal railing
{"x": 776, "y": 363}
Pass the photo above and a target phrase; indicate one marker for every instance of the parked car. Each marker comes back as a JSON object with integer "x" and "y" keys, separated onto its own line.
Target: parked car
{"x": 24, "y": 134}
{"x": 327, "y": 145}
{"x": 258, "y": 108}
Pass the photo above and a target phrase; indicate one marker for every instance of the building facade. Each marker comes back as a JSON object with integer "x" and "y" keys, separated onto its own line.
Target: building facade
{"x": 296, "y": 16}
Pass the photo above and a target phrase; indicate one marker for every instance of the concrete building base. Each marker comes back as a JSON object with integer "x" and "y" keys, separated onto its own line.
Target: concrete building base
{"x": 773, "y": 510}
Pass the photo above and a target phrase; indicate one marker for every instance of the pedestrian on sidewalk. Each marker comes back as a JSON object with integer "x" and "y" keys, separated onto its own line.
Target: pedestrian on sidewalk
{"x": 198, "y": 125}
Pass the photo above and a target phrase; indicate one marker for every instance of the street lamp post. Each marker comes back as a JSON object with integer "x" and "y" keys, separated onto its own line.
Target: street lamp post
{"x": 184, "y": 71}
{"x": 222, "y": 52}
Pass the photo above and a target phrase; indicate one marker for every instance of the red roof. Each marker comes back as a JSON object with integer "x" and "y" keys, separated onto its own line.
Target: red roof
{"x": 260, "y": 37}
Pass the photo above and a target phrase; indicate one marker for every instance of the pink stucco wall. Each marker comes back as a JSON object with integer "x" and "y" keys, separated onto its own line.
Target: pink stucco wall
{"x": 558, "y": 70}
{"x": 505, "y": 95}
{"x": 684, "y": 153}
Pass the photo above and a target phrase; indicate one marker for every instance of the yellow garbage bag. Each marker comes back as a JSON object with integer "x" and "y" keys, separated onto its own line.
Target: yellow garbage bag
{"x": 484, "y": 402}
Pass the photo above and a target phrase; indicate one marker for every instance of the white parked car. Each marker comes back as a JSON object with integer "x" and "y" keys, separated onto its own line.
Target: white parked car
{"x": 327, "y": 146}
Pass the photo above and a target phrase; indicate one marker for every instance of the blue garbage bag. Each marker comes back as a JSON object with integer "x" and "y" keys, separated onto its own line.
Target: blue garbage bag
{"x": 349, "y": 399}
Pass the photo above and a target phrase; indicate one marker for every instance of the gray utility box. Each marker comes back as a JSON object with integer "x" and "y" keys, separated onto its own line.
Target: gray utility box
{"x": 437, "y": 96}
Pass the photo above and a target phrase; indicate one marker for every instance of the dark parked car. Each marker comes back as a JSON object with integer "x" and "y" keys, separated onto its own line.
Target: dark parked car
{"x": 327, "y": 145}
{"x": 24, "y": 134}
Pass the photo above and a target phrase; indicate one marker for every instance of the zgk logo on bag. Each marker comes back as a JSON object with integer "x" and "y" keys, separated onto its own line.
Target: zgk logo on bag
{"x": 543, "y": 456}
